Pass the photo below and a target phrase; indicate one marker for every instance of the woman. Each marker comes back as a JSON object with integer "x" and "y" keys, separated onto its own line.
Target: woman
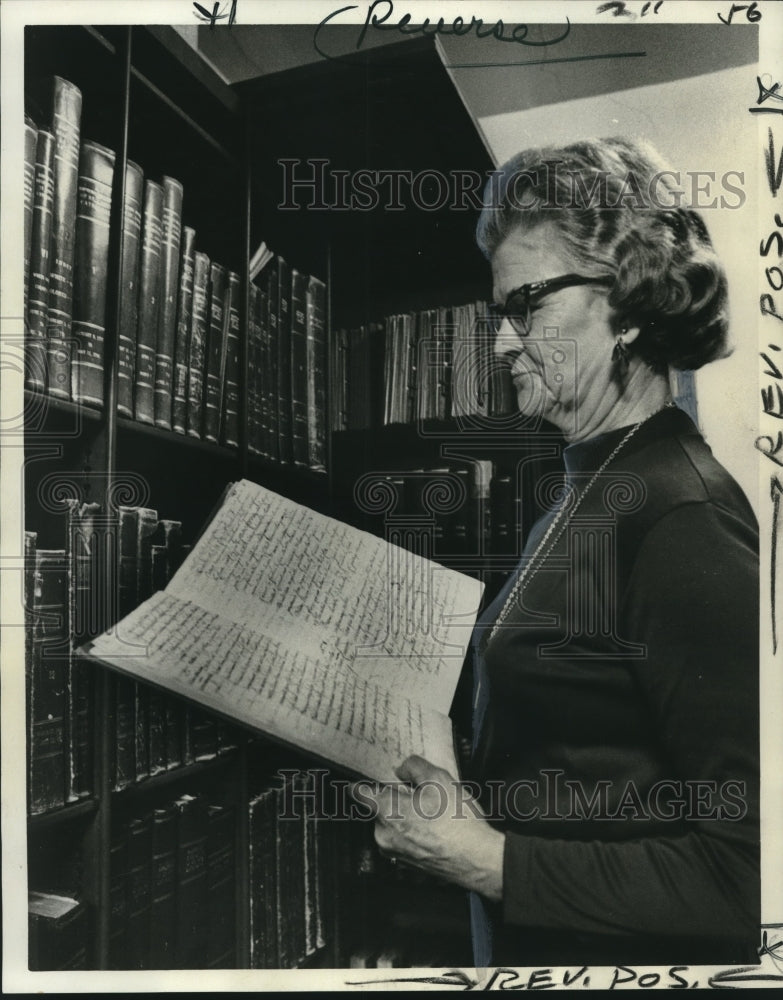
{"x": 616, "y": 711}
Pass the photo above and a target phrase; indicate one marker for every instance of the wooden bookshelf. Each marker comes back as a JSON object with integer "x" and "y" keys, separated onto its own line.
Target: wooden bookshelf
{"x": 151, "y": 100}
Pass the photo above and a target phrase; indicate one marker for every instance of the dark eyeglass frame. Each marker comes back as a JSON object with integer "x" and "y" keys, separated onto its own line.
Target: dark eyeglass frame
{"x": 516, "y": 308}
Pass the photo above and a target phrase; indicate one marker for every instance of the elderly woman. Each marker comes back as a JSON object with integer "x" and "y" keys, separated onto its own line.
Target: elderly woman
{"x": 616, "y": 711}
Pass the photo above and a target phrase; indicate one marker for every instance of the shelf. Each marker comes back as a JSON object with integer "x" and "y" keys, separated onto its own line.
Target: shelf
{"x": 65, "y": 814}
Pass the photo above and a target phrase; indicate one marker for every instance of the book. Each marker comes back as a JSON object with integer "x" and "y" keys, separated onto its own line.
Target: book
{"x": 179, "y": 404}
{"x": 91, "y": 258}
{"x": 149, "y": 303}
{"x": 283, "y": 341}
{"x": 198, "y": 344}
{"x": 139, "y": 889}
{"x": 256, "y": 399}
{"x": 66, "y": 100}
{"x": 30, "y": 145}
{"x": 129, "y": 287}
{"x": 317, "y": 374}
{"x": 263, "y": 875}
{"x": 192, "y": 897}
{"x": 36, "y": 361}
{"x": 217, "y": 343}
{"x": 230, "y": 378}
{"x": 298, "y": 363}
{"x": 49, "y": 679}
{"x": 118, "y": 897}
{"x": 221, "y": 887}
{"x": 171, "y": 235}
{"x": 163, "y": 891}
{"x": 293, "y": 624}
{"x": 30, "y": 543}
{"x": 58, "y": 932}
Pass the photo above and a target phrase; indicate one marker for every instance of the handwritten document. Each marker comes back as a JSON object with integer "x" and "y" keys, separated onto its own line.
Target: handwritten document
{"x": 309, "y": 630}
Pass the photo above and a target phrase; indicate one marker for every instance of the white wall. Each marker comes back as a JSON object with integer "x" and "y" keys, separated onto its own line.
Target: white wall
{"x": 697, "y": 123}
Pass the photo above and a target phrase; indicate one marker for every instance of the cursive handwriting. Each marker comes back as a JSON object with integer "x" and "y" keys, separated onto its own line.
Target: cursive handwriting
{"x": 380, "y": 13}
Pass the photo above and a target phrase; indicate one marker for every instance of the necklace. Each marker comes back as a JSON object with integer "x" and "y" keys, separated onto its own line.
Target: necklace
{"x": 561, "y": 520}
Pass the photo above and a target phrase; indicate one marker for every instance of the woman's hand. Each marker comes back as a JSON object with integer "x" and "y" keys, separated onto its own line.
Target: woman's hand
{"x": 437, "y": 825}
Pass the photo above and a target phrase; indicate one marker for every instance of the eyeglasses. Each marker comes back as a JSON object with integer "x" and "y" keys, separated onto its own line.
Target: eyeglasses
{"x": 519, "y": 302}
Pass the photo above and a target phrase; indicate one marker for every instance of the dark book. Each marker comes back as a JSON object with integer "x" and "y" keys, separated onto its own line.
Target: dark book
{"x": 149, "y": 304}
{"x": 339, "y": 382}
{"x": 147, "y": 526}
{"x": 263, "y": 875}
{"x": 85, "y": 551}
{"x": 304, "y": 783}
{"x": 156, "y": 731}
{"x": 317, "y": 374}
{"x": 217, "y": 343}
{"x": 202, "y": 735}
{"x": 230, "y": 423}
{"x": 255, "y": 398}
{"x": 198, "y": 345}
{"x": 171, "y": 236}
{"x": 284, "y": 428}
{"x": 290, "y": 861}
{"x": 90, "y": 272}
{"x": 58, "y": 932}
{"x": 36, "y": 360}
{"x": 129, "y": 287}
{"x": 175, "y": 726}
{"x": 118, "y": 898}
{"x": 49, "y": 679}
{"x": 141, "y": 732}
{"x": 298, "y": 349}
{"x": 163, "y": 903}
{"x": 139, "y": 887}
{"x": 179, "y": 403}
{"x": 66, "y": 124}
{"x": 146, "y": 530}
{"x": 221, "y": 888}
{"x": 30, "y": 542}
{"x": 123, "y": 689}
{"x": 30, "y": 144}
{"x": 192, "y": 894}
{"x": 270, "y": 336}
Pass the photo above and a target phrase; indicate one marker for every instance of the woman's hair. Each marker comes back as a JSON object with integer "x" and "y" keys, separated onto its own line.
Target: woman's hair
{"x": 618, "y": 212}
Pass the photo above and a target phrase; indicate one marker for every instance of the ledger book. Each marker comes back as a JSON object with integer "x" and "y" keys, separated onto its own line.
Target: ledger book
{"x": 310, "y": 631}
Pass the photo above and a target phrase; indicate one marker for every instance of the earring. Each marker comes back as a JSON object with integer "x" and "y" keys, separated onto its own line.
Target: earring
{"x": 620, "y": 353}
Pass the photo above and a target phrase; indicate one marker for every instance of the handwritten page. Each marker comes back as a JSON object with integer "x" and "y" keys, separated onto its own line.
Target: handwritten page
{"x": 342, "y": 594}
{"x": 309, "y": 630}
{"x": 276, "y": 686}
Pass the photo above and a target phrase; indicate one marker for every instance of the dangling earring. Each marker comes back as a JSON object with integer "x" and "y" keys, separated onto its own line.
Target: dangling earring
{"x": 620, "y": 353}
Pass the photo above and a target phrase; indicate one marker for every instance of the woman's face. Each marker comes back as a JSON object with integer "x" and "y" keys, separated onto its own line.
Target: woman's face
{"x": 562, "y": 370}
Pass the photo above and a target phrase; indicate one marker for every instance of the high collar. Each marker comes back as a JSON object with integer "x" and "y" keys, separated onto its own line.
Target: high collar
{"x": 587, "y": 456}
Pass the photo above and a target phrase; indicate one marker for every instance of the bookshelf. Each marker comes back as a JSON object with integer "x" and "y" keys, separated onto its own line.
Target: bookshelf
{"x": 151, "y": 100}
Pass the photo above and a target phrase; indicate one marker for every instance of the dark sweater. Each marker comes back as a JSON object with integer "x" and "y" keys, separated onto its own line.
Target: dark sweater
{"x": 629, "y": 678}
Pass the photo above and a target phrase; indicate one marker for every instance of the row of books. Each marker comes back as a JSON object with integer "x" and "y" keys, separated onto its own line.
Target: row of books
{"x": 67, "y": 602}
{"x": 287, "y": 367}
{"x": 289, "y": 868}
{"x": 179, "y": 312}
{"x": 430, "y": 365}
{"x": 180, "y": 315}
{"x": 172, "y": 887}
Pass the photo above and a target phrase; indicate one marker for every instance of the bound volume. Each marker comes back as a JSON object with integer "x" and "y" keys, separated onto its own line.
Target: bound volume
{"x": 310, "y": 631}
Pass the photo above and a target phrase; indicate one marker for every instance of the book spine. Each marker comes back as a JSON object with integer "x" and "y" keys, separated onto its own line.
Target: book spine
{"x": 118, "y": 898}
{"x": 316, "y": 374}
{"x": 263, "y": 873}
{"x": 221, "y": 928}
{"x": 30, "y": 144}
{"x": 36, "y": 361}
{"x": 270, "y": 317}
{"x": 254, "y": 374}
{"x": 284, "y": 425}
{"x": 171, "y": 236}
{"x": 299, "y": 374}
{"x": 123, "y": 693}
{"x": 217, "y": 339}
{"x": 163, "y": 903}
{"x": 129, "y": 287}
{"x": 49, "y": 681}
{"x": 137, "y": 947}
{"x": 192, "y": 899}
{"x": 146, "y": 528}
{"x": 30, "y": 543}
{"x": 149, "y": 300}
{"x": 141, "y": 756}
{"x": 179, "y": 404}
{"x": 66, "y": 124}
{"x": 156, "y": 725}
{"x": 175, "y": 721}
{"x": 84, "y": 555}
{"x": 91, "y": 257}
{"x": 198, "y": 345}
{"x": 230, "y": 380}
